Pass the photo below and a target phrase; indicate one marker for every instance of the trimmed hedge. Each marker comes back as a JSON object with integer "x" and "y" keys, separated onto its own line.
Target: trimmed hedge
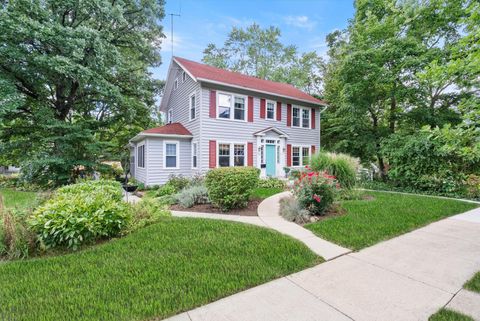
{"x": 230, "y": 187}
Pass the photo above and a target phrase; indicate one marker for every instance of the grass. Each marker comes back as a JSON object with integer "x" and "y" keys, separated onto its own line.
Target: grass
{"x": 449, "y": 315}
{"x": 18, "y": 199}
{"x": 474, "y": 283}
{"x": 368, "y": 222}
{"x": 262, "y": 193}
{"x": 159, "y": 271}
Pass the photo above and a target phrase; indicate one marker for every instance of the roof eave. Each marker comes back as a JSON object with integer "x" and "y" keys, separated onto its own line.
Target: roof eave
{"x": 144, "y": 135}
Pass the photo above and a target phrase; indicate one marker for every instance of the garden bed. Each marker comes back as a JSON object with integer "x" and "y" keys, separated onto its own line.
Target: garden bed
{"x": 250, "y": 210}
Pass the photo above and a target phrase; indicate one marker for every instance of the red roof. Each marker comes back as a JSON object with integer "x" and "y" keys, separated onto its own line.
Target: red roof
{"x": 169, "y": 129}
{"x": 209, "y": 73}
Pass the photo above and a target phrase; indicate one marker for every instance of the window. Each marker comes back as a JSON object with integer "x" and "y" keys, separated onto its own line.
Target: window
{"x": 296, "y": 117}
{"x": 270, "y": 110}
{"x": 184, "y": 76}
{"x": 141, "y": 156}
{"x": 175, "y": 84}
{"x": 239, "y": 155}
{"x": 171, "y": 154}
{"x": 305, "y": 155}
{"x": 300, "y": 155}
{"x": 224, "y": 105}
{"x": 295, "y": 156}
{"x": 169, "y": 116}
{"x": 192, "y": 106}
{"x": 224, "y": 155}
{"x": 194, "y": 155}
{"x": 231, "y": 106}
{"x": 301, "y": 117}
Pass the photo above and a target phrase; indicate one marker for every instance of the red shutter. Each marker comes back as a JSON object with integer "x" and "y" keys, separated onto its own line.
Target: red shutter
{"x": 289, "y": 155}
{"x": 313, "y": 118}
{"x": 212, "y": 154}
{"x": 289, "y": 115}
{"x": 262, "y": 108}
{"x": 279, "y": 111}
{"x": 313, "y": 150}
{"x": 250, "y": 109}
{"x": 213, "y": 104}
{"x": 250, "y": 154}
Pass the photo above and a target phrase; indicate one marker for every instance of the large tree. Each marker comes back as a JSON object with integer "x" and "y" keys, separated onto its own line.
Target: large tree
{"x": 259, "y": 52}
{"x": 73, "y": 74}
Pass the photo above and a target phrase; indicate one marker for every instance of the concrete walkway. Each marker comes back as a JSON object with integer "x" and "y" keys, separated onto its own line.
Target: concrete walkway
{"x": 406, "y": 278}
{"x": 268, "y": 216}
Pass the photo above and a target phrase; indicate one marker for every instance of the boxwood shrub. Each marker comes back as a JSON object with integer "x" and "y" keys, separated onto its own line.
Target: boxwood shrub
{"x": 230, "y": 187}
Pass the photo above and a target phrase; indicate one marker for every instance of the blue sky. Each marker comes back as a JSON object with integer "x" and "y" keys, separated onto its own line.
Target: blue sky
{"x": 303, "y": 23}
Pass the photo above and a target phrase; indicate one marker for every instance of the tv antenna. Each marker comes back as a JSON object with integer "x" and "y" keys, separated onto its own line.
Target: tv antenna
{"x": 171, "y": 25}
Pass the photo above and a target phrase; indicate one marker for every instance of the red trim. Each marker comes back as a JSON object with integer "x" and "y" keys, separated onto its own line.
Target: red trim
{"x": 313, "y": 118}
{"x": 212, "y": 154}
{"x": 262, "y": 108}
{"x": 250, "y": 109}
{"x": 250, "y": 154}
{"x": 289, "y": 115}
{"x": 213, "y": 104}
{"x": 289, "y": 155}
{"x": 279, "y": 111}
{"x": 313, "y": 150}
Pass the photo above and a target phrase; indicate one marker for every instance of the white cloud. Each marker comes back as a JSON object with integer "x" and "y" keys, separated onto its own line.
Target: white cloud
{"x": 300, "y": 22}
{"x": 178, "y": 42}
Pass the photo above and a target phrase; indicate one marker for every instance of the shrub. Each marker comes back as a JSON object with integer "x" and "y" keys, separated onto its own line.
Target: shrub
{"x": 167, "y": 199}
{"x": 192, "y": 195}
{"x": 291, "y": 210}
{"x": 230, "y": 187}
{"x": 315, "y": 191}
{"x": 178, "y": 182}
{"x": 16, "y": 240}
{"x": 164, "y": 190}
{"x": 271, "y": 182}
{"x": 81, "y": 213}
{"x": 472, "y": 186}
{"x": 147, "y": 212}
{"x": 342, "y": 166}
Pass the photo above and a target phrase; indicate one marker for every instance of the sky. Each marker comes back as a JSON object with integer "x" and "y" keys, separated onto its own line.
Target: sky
{"x": 303, "y": 23}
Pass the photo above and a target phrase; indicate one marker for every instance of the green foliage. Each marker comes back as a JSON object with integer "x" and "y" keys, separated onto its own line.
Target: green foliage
{"x": 166, "y": 189}
{"x": 474, "y": 283}
{"x": 81, "y": 213}
{"x": 178, "y": 182}
{"x": 291, "y": 210}
{"x": 75, "y": 82}
{"x": 272, "y": 182}
{"x": 230, "y": 187}
{"x": 192, "y": 195}
{"x": 146, "y": 212}
{"x": 263, "y": 192}
{"x": 472, "y": 186}
{"x": 315, "y": 192}
{"x": 449, "y": 315}
{"x": 342, "y": 166}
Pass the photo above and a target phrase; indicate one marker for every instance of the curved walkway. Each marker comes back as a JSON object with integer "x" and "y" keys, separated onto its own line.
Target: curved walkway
{"x": 268, "y": 216}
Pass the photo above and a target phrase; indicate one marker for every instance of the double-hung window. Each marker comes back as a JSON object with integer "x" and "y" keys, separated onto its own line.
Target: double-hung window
{"x": 239, "y": 155}
{"x": 224, "y": 155}
{"x": 270, "y": 110}
{"x": 300, "y": 155}
{"x": 231, "y": 154}
{"x": 141, "y": 156}
{"x": 194, "y": 155}
{"x": 305, "y": 156}
{"x": 231, "y": 106}
{"x": 192, "y": 103}
{"x": 171, "y": 154}
{"x": 301, "y": 117}
{"x": 295, "y": 156}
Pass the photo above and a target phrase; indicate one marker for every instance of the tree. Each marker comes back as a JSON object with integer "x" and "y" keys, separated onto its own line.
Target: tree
{"x": 258, "y": 52}
{"x": 72, "y": 73}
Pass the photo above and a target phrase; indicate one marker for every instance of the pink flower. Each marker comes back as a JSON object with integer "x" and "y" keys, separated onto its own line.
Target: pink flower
{"x": 317, "y": 198}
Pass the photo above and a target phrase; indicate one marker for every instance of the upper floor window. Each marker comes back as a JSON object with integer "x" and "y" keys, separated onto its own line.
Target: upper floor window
{"x": 301, "y": 117}
{"x": 184, "y": 76}
{"x": 169, "y": 116}
{"x": 175, "y": 84}
{"x": 270, "y": 110}
{"x": 231, "y": 106}
{"x": 192, "y": 103}
{"x": 141, "y": 156}
{"x": 171, "y": 154}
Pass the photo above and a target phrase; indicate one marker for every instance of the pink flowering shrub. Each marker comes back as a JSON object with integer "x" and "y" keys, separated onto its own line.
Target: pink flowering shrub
{"x": 315, "y": 191}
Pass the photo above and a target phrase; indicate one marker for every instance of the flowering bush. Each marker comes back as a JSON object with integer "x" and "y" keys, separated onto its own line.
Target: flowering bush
{"x": 315, "y": 191}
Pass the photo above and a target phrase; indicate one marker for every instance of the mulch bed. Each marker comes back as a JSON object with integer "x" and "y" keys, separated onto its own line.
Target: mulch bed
{"x": 250, "y": 210}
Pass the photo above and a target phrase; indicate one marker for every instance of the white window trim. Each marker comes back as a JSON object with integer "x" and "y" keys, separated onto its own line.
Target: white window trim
{"x": 137, "y": 163}
{"x": 232, "y": 106}
{"x": 232, "y": 152}
{"x": 301, "y": 117}
{"x": 274, "y": 110}
{"x": 194, "y": 143}
{"x": 169, "y": 116}
{"x": 175, "y": 84}
{"x": 301, "y": 155}
{"x": 177, "y": 149}
{"x": 184, "y": 76}
{"x": 190, "y": 107}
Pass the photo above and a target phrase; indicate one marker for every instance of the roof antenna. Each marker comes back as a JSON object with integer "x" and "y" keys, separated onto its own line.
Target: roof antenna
{"x": 171, "y": 24}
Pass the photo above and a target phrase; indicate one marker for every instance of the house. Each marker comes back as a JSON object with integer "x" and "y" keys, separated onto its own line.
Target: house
{"x": 221, "y": 118}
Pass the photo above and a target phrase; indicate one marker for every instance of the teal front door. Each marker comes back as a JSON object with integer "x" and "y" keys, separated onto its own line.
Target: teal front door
{"x": 270, "y": 157}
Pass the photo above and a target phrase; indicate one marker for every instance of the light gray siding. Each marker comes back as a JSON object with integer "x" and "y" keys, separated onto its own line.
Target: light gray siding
{"x": 140, "y": 173}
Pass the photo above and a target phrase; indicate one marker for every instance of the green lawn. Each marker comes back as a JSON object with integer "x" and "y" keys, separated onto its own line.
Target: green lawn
{"x": 389, "y": 214}
{"x": 449, "y": 315}
{"x": 262, "y": 193}
{"x": 474, "y": 283}
{"x": 18, "y": 199}
{"x": 158, "y": 271}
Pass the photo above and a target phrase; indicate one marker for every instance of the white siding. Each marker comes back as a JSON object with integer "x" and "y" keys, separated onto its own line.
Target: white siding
{"x": 140, "y": 173}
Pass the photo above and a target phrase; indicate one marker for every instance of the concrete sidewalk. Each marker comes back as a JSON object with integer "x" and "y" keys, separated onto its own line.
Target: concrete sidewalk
{"x": 406, "y": 278}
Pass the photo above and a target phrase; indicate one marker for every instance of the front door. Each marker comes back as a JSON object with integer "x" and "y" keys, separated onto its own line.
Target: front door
{"x": 270, "y": 158}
